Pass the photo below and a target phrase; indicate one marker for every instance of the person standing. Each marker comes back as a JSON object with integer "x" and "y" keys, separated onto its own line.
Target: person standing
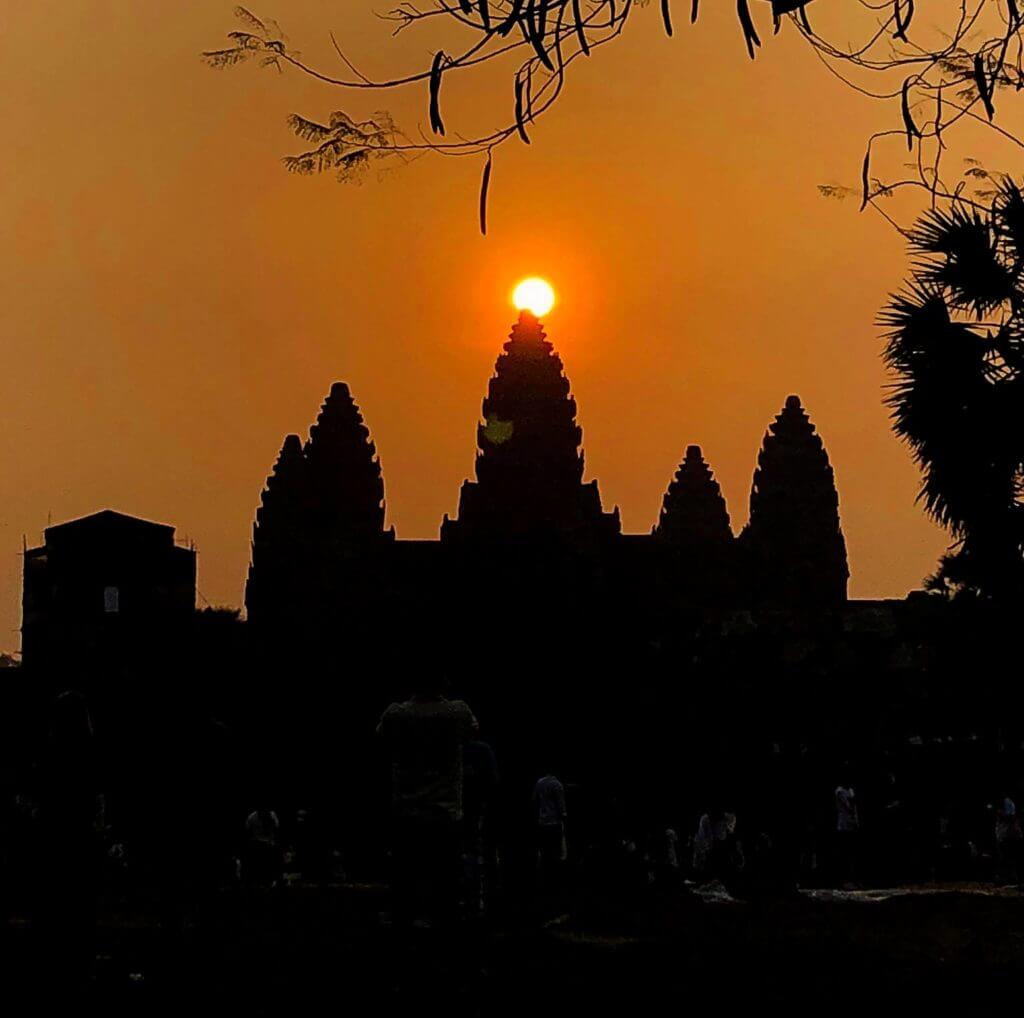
{"x": 425, "y": 737}
{"x": 550, "y": 814}
{"x": 263, "y": 851}
{"x": 480, "y": 781}
{"x": 1008, "y": 841}
{"x": 847, "y": 830}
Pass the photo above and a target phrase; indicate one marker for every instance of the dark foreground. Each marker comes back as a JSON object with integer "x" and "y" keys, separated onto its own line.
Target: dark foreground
{"x": 305, "y": 950}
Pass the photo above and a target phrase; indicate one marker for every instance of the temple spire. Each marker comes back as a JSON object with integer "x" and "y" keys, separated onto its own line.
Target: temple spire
{"x": 794, "y": 540}
{"x": 278, "y": 535}
{"x": 529, "y": 466}
{"x": 693, "y": 512}
{"x": 345, "y": 478}
{"x": 320, "y": 521}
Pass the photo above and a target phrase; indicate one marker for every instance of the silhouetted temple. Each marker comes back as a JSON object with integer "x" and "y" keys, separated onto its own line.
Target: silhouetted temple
{"x": 321, "y": 519}
{"x": 797, "y": 554}
{"x": 529, "y": 465}
{"x": 529, "y": 521}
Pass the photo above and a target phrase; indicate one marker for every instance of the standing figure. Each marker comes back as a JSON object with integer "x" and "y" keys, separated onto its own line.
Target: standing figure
{"x": 425, "y": 737}
{"x": 262, "y": 864}
{"x": 1008, "y": 841}
{"x": 549, "y": 815}
{"x": 847, "y": 831}
{"x": 480, "y": 781}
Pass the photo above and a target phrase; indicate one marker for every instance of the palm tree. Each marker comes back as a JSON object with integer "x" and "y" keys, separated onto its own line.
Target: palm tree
{"x": 956, "y": 344}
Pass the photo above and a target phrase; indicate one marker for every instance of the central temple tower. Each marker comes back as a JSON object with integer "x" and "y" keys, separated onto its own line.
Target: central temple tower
{"x": 529, "y": 466}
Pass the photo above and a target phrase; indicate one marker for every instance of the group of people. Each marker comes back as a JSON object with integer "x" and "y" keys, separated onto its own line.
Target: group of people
{"x": 450, "y": 856}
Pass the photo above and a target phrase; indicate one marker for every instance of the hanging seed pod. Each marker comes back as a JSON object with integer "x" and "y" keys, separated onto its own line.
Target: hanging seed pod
{"x": 693, "y": 11}
{"x": 485, "y": 184}
{"x": 908, "y": 121}
{"x": 520, "y": 116}
{"x": 436, "y": 123}
{"x": 512, "y": 20}
{"x": 535, "y": 39}
{"x": 750, "y": 36}
{"x": 581, "y": 32}
{"x": 902, "y": 23}
{"x": 981, "y": 81}
{"x": 666, "y": 16}
{"x": 542, "y": 19}
{"x": 864, "y": 180}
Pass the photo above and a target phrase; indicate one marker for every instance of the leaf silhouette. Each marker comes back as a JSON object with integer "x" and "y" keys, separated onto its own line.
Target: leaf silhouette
{"x": 865, "y": 182}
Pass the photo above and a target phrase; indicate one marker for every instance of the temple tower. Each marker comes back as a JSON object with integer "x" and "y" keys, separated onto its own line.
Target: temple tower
{"x": 278, "y": 536}
{"x": 693, "y": 512}
{"x": 345, "y": 481}
{"x": 694, "y": 535}
{"x": 321, "y": 519}
{"x": 529, "y": 467}
{"x": 794, "y": 542}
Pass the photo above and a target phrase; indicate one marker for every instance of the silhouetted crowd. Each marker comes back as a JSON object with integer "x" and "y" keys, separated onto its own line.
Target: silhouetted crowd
{"x": 462, "y": 847}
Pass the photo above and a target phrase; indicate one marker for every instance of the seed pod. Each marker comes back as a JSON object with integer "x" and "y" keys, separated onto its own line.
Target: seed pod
{"x": 581, "y": 32}
{"x": 542, "y": 19}
{"x": 666, "y": 16}
{"x": 485, "y": 184}
{"x": 902, "y": 23}
{"x": 534, "y": 37}
{"x": 983, "y": 87}
{"x": 908, "y": 120}
{"x": 436, "y": 123}
{"x": 520, "y": 118}
{"x": 750, "y": 36}
{"x": 513, "y": 17}
{"x": 864, "y": 182}
{"x": 693, "y": 11}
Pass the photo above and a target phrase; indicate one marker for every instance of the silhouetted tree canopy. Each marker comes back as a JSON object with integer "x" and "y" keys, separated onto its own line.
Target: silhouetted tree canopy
{"x": 930, "y": 77}
{"x": 956, "y": 344}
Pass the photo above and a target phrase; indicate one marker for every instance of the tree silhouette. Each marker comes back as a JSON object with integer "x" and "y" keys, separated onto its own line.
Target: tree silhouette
{"x": 930, "y": 79}
{"x": 956, "y": 345}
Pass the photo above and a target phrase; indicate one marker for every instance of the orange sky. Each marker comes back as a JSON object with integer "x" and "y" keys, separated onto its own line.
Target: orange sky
{"x": 174, "y": 302}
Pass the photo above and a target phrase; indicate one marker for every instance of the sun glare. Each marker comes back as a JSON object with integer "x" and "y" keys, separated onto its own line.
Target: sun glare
{"x": 534, "y": 295}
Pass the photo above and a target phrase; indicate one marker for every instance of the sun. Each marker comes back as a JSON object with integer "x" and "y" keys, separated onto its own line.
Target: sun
{"x": 534, "y": 295}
